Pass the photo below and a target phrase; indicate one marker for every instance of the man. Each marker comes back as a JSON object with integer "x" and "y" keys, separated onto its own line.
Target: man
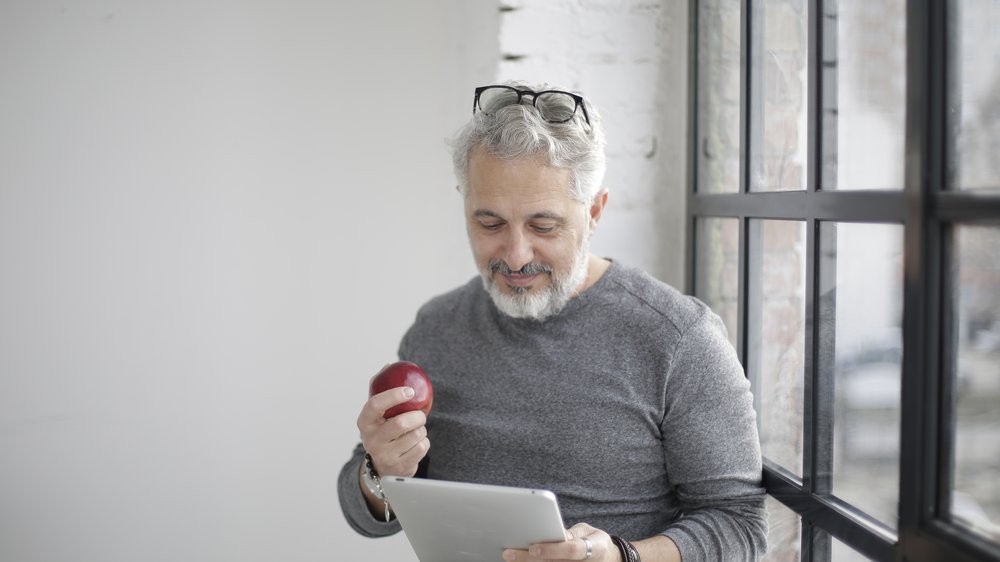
{"x": 562, "y": 370}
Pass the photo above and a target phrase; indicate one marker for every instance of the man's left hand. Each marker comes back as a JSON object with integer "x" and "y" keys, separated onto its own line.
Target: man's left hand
{"x": 573, "y": 548}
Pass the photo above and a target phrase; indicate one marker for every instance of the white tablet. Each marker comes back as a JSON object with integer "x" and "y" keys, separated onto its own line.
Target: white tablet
{"x": 456, "y": 521}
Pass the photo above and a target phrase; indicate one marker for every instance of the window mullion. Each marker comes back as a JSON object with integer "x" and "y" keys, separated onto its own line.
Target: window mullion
{"x": 812, "y": 408}
{"x": 921, "y": 422}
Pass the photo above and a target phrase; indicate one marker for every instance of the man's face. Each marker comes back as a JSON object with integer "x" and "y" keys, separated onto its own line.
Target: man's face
{"x": 528, "y": 236}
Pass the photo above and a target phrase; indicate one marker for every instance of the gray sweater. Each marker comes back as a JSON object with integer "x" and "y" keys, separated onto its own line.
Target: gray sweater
{"x": 630, "y": 405}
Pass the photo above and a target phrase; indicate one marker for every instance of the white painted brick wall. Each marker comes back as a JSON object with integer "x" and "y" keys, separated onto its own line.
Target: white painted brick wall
{"x": 629, "y": 57}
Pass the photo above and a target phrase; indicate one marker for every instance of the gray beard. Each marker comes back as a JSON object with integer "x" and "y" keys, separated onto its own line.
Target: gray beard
{"x": 543, "y": 303}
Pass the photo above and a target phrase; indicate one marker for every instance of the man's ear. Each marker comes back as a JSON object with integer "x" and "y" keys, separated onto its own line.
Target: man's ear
{"x": 597, "y": 208}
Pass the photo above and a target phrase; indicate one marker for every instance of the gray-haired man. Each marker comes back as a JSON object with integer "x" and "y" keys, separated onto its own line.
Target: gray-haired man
{"x": 621, "y": 395}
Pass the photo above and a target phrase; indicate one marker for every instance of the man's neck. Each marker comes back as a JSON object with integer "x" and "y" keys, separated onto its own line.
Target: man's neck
{"x": 596, "y": 268}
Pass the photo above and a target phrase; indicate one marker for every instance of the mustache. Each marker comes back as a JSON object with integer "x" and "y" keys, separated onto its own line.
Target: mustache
{"x": 500, "y": 266}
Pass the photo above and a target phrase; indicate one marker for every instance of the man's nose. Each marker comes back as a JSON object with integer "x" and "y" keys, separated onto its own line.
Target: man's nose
{"x": 518, "y": 252}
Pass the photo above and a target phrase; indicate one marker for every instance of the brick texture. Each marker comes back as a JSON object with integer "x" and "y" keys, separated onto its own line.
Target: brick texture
{"x": 630, "y": 58}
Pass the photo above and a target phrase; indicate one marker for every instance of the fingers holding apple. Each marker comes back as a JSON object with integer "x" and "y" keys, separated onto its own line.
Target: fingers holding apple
{"x": 398, "y": 388}
{"x": 414, "y": 446}
{"x": 408, "y": 375}
{"x": 379, "y": 404}
{"x": 398, "y": 445}
{"x": 392, "y": 421}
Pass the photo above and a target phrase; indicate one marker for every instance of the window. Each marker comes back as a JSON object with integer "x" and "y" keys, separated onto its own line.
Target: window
{"x": 844, "y": 216}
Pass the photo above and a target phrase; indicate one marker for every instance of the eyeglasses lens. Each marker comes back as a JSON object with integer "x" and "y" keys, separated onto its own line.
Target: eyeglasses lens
{"x": 556, "y": 107}
{"x": 492, "y": 99}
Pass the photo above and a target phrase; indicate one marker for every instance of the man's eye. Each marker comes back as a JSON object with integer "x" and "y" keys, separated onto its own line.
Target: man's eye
{"x": 543, "y": 229}
{"x": 491, "y": 226}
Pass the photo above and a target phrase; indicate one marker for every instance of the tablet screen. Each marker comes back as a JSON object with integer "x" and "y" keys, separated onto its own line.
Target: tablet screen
{"x": 446, "y": 521}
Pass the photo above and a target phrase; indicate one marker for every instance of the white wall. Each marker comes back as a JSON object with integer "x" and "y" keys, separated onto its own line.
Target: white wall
{"x": 216, "y": 220}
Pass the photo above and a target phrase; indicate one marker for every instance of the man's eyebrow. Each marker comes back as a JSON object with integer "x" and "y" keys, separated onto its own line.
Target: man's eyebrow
{"x": 485, "y": 213}
{"x": 545, "y": 215}
{"x": 548, "y": 215}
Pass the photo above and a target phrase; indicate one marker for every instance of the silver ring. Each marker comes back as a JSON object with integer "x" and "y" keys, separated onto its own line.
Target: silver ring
{"x": 590, "y": 547}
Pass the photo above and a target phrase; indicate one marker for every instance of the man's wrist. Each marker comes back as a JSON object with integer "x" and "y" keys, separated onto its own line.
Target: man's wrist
{"x": 371, "y": 487}
{"x": 626, "y": 549}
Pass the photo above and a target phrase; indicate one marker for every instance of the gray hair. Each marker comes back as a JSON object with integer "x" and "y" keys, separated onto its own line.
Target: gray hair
{"x": 517, "y": 131}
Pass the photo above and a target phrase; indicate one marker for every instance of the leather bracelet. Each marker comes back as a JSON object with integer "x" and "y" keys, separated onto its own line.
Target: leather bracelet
{"x": 627, "y": 549}
{"x": 374, "y": 484}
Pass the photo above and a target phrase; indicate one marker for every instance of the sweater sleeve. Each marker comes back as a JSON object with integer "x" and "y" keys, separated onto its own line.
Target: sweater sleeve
{"x": 712, "y": 450}
{"x": 352, "y": 500}
{"x": 353, "y": 504}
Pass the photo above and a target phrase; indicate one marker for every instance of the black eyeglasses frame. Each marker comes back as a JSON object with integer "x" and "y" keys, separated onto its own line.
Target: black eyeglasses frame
{"x": 534, "y": 96}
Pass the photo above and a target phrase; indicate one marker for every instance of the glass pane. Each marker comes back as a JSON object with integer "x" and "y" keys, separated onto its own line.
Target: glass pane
{"x": 784, "y": 533}
{"x": 975, "y": 498}
{"x": 864, "y": 94}
{"x": 840, "y": 552}
{"x": 776, "y": 336}
{"x": 860, "y": 347}
{"x": 778, "y": 94}
{"x": 719, "y": 96}
{"x": 716, "y": 276}
{"x": 975, "y": 95}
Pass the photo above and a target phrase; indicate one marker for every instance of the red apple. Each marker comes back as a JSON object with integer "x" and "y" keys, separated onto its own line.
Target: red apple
{"x": 404, "y": 373}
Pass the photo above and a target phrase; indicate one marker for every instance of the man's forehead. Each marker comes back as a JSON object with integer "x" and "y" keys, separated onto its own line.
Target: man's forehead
{"x": 528, "y": 183}
{"x": 484, "y": 162}
{"x": 519, "y": 201}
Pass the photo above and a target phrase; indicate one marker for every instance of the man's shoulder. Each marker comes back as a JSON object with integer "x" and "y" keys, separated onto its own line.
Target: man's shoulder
{"x": 440, "y": 321}
{"x": 445, "y": 305}
{"x": 658, "y": 299}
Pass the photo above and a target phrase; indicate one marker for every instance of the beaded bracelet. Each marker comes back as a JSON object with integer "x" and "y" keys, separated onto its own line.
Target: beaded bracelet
{"x": 627, "y": 549}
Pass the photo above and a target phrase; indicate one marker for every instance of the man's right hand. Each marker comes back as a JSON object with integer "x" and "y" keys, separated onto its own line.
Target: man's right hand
{"x": 398, "y": 444}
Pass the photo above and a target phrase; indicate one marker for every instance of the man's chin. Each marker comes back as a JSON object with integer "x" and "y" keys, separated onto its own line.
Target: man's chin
{"x": 513, "y": 292}
{"x": 532, "y": 301}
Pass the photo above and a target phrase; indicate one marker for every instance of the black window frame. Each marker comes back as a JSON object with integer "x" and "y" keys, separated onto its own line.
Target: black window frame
{"x": 927, "y": 209}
